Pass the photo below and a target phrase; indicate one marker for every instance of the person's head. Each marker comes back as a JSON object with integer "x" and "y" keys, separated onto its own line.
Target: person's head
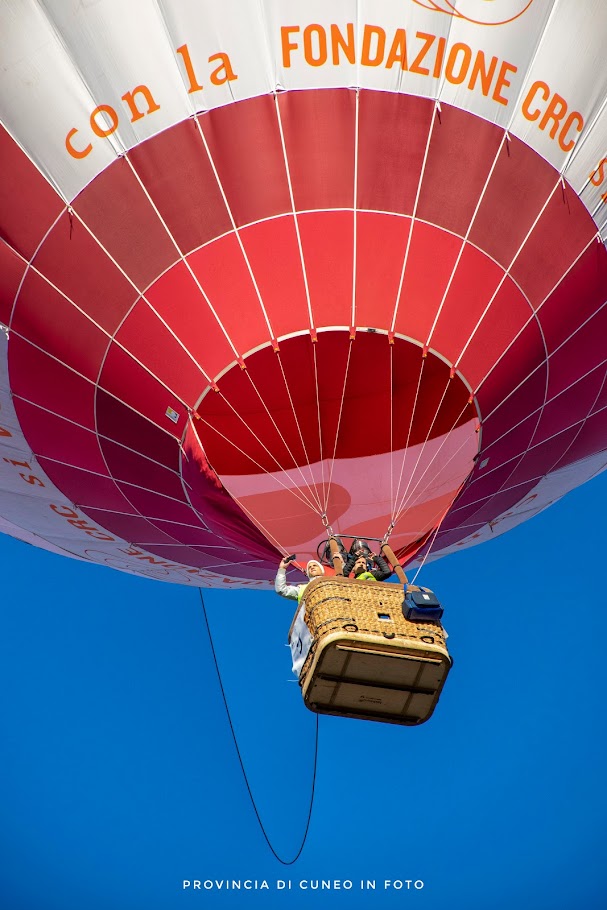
{"x": 314, "y": 568}
{"x": 360, "y": 548}
{"x": 359, "y": 566}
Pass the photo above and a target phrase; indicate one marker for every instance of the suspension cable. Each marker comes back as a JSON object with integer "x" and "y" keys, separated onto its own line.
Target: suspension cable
{"x": 405, "y": 451}
{"x": 341, "y": 408}
{"x": 437, "y": 529}
{"x": 407, "y": 499}
{"x": 241, "y": 762}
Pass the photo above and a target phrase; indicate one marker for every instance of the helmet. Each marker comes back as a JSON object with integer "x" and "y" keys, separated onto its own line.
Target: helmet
{"x": 360, "y": 547}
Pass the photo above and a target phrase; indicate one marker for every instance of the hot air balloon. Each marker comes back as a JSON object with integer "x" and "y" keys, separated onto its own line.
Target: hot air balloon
{"x": 271, "y": 271}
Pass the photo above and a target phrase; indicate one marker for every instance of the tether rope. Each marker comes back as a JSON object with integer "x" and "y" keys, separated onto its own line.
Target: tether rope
{"x": 241, "y": 762}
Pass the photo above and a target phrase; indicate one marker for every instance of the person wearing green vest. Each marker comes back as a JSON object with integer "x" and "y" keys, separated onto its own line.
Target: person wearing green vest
{"x": 363, "y": 569}
{"x": 295, "y": 592}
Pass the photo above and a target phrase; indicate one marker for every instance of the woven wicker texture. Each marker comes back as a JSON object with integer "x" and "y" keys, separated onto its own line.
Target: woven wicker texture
{"x": 366, "y": 659}
{"x": 370, "y": 607}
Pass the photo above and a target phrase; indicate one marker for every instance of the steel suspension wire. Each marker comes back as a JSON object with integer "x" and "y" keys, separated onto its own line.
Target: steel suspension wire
{"x": 434, "y": 536}
{"x": 284, "y": 862}
{"x": 341, "y": 408}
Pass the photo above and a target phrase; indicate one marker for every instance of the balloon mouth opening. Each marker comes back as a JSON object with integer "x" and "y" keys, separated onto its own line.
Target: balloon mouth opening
{"x": 360, "y": 433}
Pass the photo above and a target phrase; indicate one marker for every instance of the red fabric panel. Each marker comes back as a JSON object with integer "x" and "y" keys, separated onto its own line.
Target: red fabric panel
{"x": 450, "y": 192}
{"x": 149, "y": 341}
{"x": 118, "y": 422}
{"x": 59, "y": 439}
{"x": 167, "y": 554}
{"x": 584, "y": 350}
{"x": 489, "y": 481}
{"x": 447, "y": 537}
{"x": 218, "y": 509}
{"x": 130, "y": 528}
{"x": 85, "y": 489}
{"x": 520, "y": 184}
{"x": 222, "y": 271}
{"x": 583, "y": 289}
{"x": 247, "y": 425}
{"x": 328, "y": 247}
{"x": 273, "y": 252}
{"x": 37, "y": 377}
{"x": 297, "y": 359}
{"x": 190, "y": 556}
{"x": 432, "y": 256}
{"x": 154, "y": 506}
{"x": 28, "y": 203}
{"x": 189, "y": 535}
{"x": 473, "y": 285}
{"x": 132, "y": 468}
{"x": 131, "y": 383}
{"x": 234, "y": 447}
{"x": 592, "y": 437}
{"x": 12, "y": 269}
{"x": 42, "y": 315}
{"x": 601, "y": 401}
{"x": 506, "y": 316}
{"x": 254, "y": 401}
{"x": 560, "y": 235}
{"x": 364, "y": 392}
{"x": 511, "y": 414}
{"x": 381, "y": 242}
{"x": 392, "y": 134}
{"x": 116, "y": 209}
{"x": 79, "y": 267}
{"x": 542, "y": 457}
{"x": 245, "y": 146}
{"x": 250, "y": 417}
{"x": 501, "y": 502}
{"x": 319, "y": 132}
{"x": 175, "y": 169}
{"x": 521, "y": 359}
{"x": 178, "y": 300}
{"x": 572, "y": 406}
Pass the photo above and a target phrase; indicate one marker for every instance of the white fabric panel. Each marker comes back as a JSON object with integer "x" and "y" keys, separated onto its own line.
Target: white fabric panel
{"x": 570, "y": 63}
{"x": 586, "y": 170}
{"x": 6, "y": 527}
{"x": 63, "y": 59}
{"x": 291, "y": 69}
{"x": 237, "y": 28}
{"x": 392, "y": 18}
{"x": 42, "y": 97}
{"x": 513, "y": 44}
{"x": 300, "y": 641}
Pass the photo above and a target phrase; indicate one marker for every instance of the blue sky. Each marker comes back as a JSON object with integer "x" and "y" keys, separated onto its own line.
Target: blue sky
{"x": 119, "y": 778}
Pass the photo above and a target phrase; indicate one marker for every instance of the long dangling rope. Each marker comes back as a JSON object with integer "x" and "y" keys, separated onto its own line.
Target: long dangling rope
{"x": 240, "y": 759}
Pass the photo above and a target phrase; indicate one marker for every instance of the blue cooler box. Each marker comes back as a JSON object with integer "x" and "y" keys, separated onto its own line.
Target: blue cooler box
{"x": 422, "y": 606}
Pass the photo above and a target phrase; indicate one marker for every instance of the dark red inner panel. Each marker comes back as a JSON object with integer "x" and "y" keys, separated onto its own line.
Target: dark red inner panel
{"x": 261, "y": 419}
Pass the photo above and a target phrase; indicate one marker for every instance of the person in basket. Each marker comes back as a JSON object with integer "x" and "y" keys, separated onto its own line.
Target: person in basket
{"x": 362, "y": 567}
{"x": 295, "y": 592}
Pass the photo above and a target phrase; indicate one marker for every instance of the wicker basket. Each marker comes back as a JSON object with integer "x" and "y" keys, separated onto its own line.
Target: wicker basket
{"x": 366, "y": 660}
